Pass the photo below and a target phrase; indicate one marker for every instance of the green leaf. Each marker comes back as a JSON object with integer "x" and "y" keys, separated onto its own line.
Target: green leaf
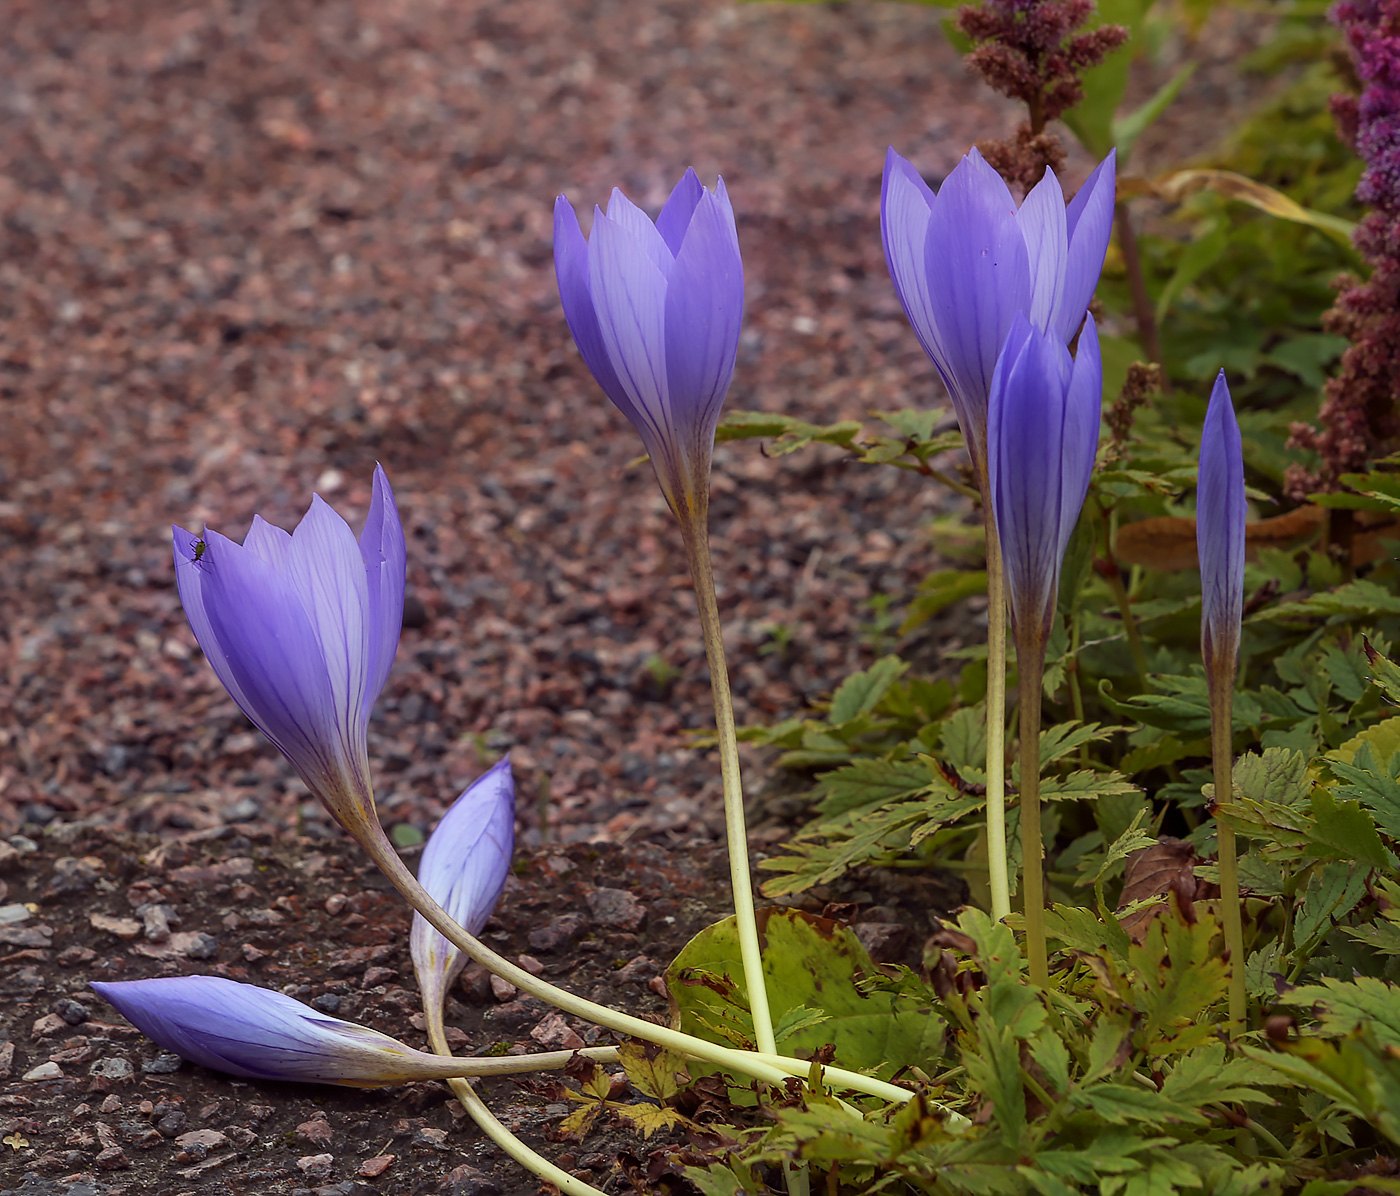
{"x": 1346, "y": 1005}
{"x": 1127, "y": 129}
{"x": 940, "y": 590}
{"x": 1385, "y": 673}
{"x": 1377, "y": 791}
{"x": 810, "y": 964}
{"x": 1343, "y": 830}
{"x": 872, "y": 782}
{"x": 1332, "y": 894}
{"x": 1278, "y": 775}
{"x": 861, "y": 692}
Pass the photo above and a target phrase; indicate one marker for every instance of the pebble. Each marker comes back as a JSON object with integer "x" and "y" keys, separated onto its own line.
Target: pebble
{"x": 316, "y": 1166}
{"x": 317, "y": 1131}
{"x": 123, "y": 928}
{"x": 334, "y": 904}
{"x": 203, "y": 946}
{"x": 555, "y": 1034}
{"x": 164, "y": 1064}
{"x": 170, "y": 1124}
{"x": 45, "y": 1071}
{"x": 10, "y": 914}
{"x": 502, "y": 989}
{"x": 617, "y": 909}
{"x": 558, "y": 932}
{"x": 376, "y": 1166}
{"x": 326, "y": 1003}
{"x": 71, "y": 1011}
{"x": 113, "y": 1067}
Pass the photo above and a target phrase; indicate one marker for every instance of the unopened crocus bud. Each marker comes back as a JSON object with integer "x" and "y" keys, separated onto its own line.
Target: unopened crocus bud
{"x": 1221, "y": 511}
{"x": 464, "y": 868}
{"x": 1042, "y": 435}
{"x": 655, "y": 310}
{"x": 966, "y": 261}
{"x": 302, "y": 629}
{"x": 244, "y": 1030}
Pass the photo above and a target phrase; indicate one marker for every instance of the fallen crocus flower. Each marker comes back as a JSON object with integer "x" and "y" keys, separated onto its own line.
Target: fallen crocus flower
{"x": 464, "y": 868}
{"x": 243, "y": 1030}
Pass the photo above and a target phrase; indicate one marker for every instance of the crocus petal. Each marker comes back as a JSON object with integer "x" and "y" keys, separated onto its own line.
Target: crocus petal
{"x": 384, "y": 554}
{"x": 680, "y": 206}
{"x": 243, "y": 1030}
{"x": 704, "y": 310}
{"x": 1089, "y": 221}
{"x": 637, "y": 225}
{"x": 1221, "y": 511}
{"x": 1042, "y": 221}
{"x": 571, "y": 269}
{"x": 979, "y": 279}
{"x": 1025, "y": 437}
{"x": 464, "y": 868}
{"x": 189, "y": 579}
{"x": 629, "y": 295}
{"x": 269, "y": 542}
{"x": 1083, "y": 411}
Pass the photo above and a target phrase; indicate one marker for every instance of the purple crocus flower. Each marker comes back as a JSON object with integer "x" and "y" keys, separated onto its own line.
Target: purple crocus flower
{"x": 655, "y": 310}
{"x": 464, "y": 868}
{"x": 1220, "y": 524}
{"x": 244, "y": 1030}
{"x": 1042, "y": 434}
{"x": 967, "y": 260}
{"x": 302, "y": 629}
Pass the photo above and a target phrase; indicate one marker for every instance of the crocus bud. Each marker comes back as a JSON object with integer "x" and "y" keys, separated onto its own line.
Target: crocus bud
{"x": 1220, "y": 520}
{"x": 464, "y": 868}
{"x": 966, "y": 261}
{"x": 1042, "y": 434}
{"x": 655, "y": 310}
{"x": 243, "y": 1030}
{"x": 302, "y": 630}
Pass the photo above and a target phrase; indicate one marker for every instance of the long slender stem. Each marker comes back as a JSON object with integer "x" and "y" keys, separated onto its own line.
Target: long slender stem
{"x": 1137, "y": 284}
{"x": 697, "y": 547}
{"x": 1030, "y": 667}
{"x": 746, "y": 1063}
{"x": 491, "y": 1126}
{"x": 997, "y": 878}
{"x": 1221, "y": 730}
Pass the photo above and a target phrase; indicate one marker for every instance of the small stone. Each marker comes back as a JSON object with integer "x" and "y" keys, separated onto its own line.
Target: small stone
{"x": 156, "y": 922}
{"x": 530, "y": 964}
{"x": 316, "y": 1166}
{"x": 516, "y": 1015}
{"x": 432, "y": 1137}
{"x": 123, "y": 928}
{"x": 110, "y": 1103}
{"x": 558, "y": 932}
{"x": 334, "y": 904}
{"x": 10, "y": 914}
{"x": 326, "y": 1003}
{"x": 50, "y": 1023}
{"x": 196, "y": 1145}
{"x": 202, "y": 946}
{"x": 75, "y": 956}
{"x": 317, "y": 1131}
{"x": 7, "y": 1059}
{"x": 638, "y": 970}
{"x": 377, "y": 976}
{"x": 466, "y": 1180}
{"x": 112, "y": 1159}
{"x": 555, "y": 1034}
{"x": 502, "y": 989}
{"x": 170, "y": 1124}
{"x": 376, "y": 1166}
{"x": 45, "y": 1071}
{"x": 475, "y": 982}
{"x": 657, "y": 984}
{"x": 887, "y": 942}
{"x": 70, "y": 1011}
{"x": 616, "y": 909}
{"x": 113, "y": 1067}
{"x": 254, "y": 954}
{"x": 164, "y": 1064}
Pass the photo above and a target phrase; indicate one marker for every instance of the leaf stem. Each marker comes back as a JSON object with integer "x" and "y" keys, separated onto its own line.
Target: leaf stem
{"x": 697, "y": 549}
{"x": 997, "y": 879}
{"x": 1222, "y": 693}
{"x": 1137, "y": 285}
{"x": 1030, "y": 666}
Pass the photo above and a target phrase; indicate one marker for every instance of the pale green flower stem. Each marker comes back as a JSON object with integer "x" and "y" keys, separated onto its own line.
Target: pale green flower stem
{"x": 697, "y": 551}
{"x": 1222, "y": 692}
{"x": 1030, "y": 666}
{"x": 772, "y": 1069}
{"x": 997, "y": 877}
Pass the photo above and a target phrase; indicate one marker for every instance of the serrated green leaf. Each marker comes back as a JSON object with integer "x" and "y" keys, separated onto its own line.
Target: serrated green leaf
{"x": 1083, "y": 785}
{"x": 964, "y": 740}
{"x": 1343, "y": 830}
{"x": 1346, "y": 1005}
{"x": 939, "y": 591}
{"x": 861, "y": 692}
{"x": 1332, "y": 893}
{"x": 873, "y": 782}
{"x": 1278, "y": 776}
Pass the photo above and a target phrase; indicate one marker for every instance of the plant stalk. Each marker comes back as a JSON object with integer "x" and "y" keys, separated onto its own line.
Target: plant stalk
{"x": 697, "y": 549}
{"x": 1143, "y": 314}
{"x": 1222, "y": 693}
{"x": 1030, "y": 666}
{"x": 997, "y": 878}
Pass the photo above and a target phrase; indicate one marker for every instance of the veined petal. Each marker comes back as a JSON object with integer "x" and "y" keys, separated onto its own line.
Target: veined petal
{"x": 1221, "y": 512}
{"x": 1025, "y": 437}
{"x": 630, "y": 219}
{"x": 328, "y": 573}
{"x": 189, "y": 579}
{"x": 1042, "y": 221}
{"x": 704, "y": 311}
{"x": 243, "y": 1030}
{"x": 629, "y": 295}
{"x": 679, "y": 207}
{"x": 979, "y": 279}
{"x": 1083, "y": 412}
{"x": 464, "y": 868}
{"x": 906, "y": 206}
{"x": 276, "y": 670}
{"x": 385, "y": 559}
{"x": 571, "y": 269}
{"x": 1089, "y": 221}
{"x": 270, "y": 542}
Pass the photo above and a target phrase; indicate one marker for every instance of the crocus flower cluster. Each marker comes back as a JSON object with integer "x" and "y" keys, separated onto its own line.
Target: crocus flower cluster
{"x": 966, "y": 261}
{"x": 1042, "y": 433}
{"x": 1220, "y": 535}
{"x": 302, "y": 629}
{"x": 655, "y": 310}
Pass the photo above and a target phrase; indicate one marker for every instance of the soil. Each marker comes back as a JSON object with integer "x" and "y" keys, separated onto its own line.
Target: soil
{"x": 247, "y": 249}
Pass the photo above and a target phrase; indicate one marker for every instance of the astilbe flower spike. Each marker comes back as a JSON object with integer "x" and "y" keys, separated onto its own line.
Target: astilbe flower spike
{"x": 966, "y": 260}
{"x": 302, "y": 628}
{"x": 1220, "y": 534}
{"x": 259, "y": 1034}
{"x": 464, "y": 868}
{"x": 1042, "y": 434}
{"x": 655, "y": 310}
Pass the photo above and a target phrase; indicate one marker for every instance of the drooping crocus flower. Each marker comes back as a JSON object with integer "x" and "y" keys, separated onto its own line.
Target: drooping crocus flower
{"x": 1042, "y": 435}
{"x": 967, "y": 260}
{"x": 244, "y": 1030}
{"x": 464, "y": 868}
{"x": 302, "y": 629}
{"x": 1220, "y": 528}
{"x": 655, "y": 310}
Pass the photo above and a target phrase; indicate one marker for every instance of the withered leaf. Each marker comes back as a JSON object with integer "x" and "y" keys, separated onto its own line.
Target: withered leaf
{"x": 1168, "y": 866}
{"x": 1168, "y": 542}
